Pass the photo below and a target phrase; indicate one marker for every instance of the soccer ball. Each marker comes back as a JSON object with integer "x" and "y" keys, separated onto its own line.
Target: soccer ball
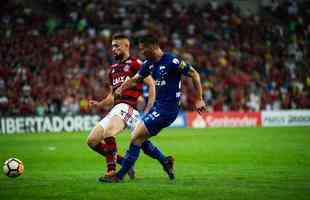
{"x": 13, "y": 167}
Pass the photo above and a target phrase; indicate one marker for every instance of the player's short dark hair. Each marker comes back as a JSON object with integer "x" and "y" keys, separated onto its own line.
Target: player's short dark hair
{"x": 149, "y": 40}
{"x": 119, "y": 36}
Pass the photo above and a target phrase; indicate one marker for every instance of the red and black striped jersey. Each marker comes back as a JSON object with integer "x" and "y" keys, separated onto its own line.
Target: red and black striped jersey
{"x": 119, "y": 72}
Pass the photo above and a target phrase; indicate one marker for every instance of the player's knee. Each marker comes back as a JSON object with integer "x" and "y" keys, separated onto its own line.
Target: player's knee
{"x": 91, "y": 142}
{"x": 109, "y": 133}
{"x": 139, "y": 137}
{"x": 138, "y": 140}
{"x": 94, "y": 138}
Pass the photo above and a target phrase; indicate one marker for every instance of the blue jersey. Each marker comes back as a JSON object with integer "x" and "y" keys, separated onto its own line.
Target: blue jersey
{"x": 167, "y": 74}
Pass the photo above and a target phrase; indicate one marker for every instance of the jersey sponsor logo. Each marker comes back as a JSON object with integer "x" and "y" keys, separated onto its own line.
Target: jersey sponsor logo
{"x": 120, "y": 79}
{"x": 160, "y": 82}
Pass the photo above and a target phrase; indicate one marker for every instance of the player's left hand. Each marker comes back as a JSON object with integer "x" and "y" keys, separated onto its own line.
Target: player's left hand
{"x": 200, "y": 106}
{"x": 118, "y": 91}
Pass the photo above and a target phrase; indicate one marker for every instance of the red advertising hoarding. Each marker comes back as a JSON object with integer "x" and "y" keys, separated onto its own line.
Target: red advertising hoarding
{"x": 223, "y": 119}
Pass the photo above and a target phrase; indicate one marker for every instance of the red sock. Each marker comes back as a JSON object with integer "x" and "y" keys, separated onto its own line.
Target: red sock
{"x": 100, "y": 148}
{"x": 110, "y": 151}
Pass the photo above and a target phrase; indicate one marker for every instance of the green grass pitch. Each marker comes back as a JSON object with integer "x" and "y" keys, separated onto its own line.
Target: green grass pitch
{"x": 230, "y": 163}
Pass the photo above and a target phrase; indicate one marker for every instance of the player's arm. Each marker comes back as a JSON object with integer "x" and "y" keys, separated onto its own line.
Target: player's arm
{"x": 139, "y": 77}
{"x": 188, "y": 70}
{"x": 131, "y": 82}
{"x": 149, "y": 81}
{"x": 105, "y": 102}
{"x": 199, "y": 104}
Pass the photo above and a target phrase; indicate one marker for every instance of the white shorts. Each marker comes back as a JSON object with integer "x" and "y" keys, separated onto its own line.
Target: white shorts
{"x": 127, "y": 113}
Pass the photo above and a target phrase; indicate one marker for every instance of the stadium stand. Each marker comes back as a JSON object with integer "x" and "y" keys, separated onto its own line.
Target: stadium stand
{"x": 52, "y": 63}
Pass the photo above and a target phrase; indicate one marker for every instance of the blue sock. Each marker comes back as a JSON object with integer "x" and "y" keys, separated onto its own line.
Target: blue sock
{"x": 152, "y": 151}
{"x": 129, "y": 160}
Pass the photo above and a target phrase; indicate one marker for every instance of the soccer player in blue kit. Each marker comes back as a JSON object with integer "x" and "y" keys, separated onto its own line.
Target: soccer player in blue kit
{"x": 167, "y": 70}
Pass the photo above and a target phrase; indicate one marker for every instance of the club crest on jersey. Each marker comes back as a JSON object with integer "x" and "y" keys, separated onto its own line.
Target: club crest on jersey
{"x": 126, "y": 68}
{"x": 162, "y": 71}
{"x": 162, "y": 67}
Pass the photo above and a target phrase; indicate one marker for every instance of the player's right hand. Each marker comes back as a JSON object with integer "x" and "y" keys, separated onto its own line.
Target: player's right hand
{"x": 92, "y": 103}
{"x": 200, "y": 106}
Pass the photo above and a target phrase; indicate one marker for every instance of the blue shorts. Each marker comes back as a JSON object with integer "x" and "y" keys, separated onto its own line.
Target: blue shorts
{"x": 156, "y": 119}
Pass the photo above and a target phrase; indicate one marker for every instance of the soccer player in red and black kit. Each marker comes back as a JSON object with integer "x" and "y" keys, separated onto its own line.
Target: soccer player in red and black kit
{"x": 124, "y": 113}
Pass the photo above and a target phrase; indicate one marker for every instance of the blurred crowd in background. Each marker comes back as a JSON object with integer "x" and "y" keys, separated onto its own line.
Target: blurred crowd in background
{"x": 52, "y": 63}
